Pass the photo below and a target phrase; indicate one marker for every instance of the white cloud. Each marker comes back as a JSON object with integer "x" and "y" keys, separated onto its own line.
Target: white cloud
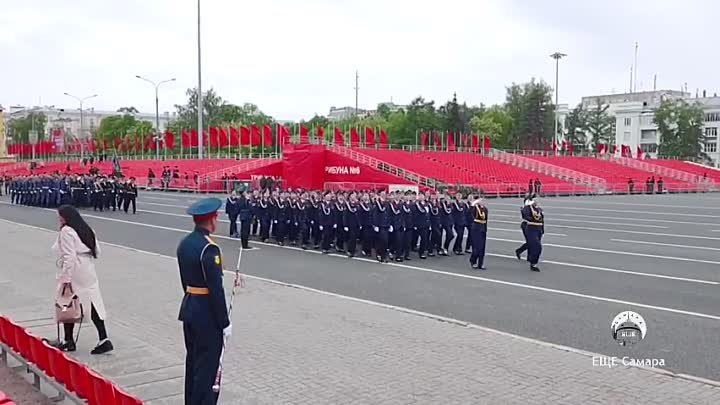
{"x": 295, "y": 58}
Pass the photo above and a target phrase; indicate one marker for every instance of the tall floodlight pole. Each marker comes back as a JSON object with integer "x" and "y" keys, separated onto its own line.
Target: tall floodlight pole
{"x": 199, "y": 89}
{"x": 157, "y": 112}
{"x": 357, "y": 89}
{"x": 81, "y": 100}
{"x": 557, "y": 56}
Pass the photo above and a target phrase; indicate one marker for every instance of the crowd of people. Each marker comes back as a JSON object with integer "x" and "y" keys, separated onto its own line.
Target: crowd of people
{"x": 388, "y": 226}
{"x": 101, "y": 192}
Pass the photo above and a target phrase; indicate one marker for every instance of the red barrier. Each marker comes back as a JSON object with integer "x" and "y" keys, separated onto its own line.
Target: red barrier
{"x": 67, "y": 372}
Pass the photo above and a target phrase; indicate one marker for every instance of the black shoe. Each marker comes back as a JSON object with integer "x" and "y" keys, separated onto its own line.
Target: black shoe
{"x": 399, "y": 259}
{"x": 534, "y": 268}
{"x": 379, "y": 258}
{"x": 480, "y": 268}
{"x": 104, "y": 347}
{"x": 468, "y": 251}
{"x": 442, "y": 253}
{"x": 303, "y": 247}
{"x": 63, "y": 346}
{"x": 423, "y": 257}
{"x": 407, "y": 258}
{"x": 459, "y": 253}
{"x": 325, "y": 251}
{"x": 517, "y": 254}
{"x": 431, "y": 254}
{"x": 350, "y": 255}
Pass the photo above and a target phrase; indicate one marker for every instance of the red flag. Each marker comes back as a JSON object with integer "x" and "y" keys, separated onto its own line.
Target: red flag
{"x": 354, "y": 138}
{"x": 234, "y": 137}
{"x": 486, "y": 143}
{"x": 223, "y": 139}
{"x": 383, "y": 139}
{"x": 193, "y": 138}
{"x": 284, "y": 134}
{"x": 437, "y": 140}
{"x": 244, "y": 136}
{"x": 169, "y": 140}
{"x": 475, "y": 142}
{"x": 304, "y": 135}
{"x": 267, "y": 135}
{"x": 614, "y": 149}
{"x": 369, "y": 137}
{"x": 339, "y": 137}
{"x": 639, "y": 153}
{"x": 320, "y": 135}
{"x": 423, "y": 140}
{"x": 213, "y": 137}
{"x": 464, "y": 141}
{"x": 554, "y": 146}
{"x": 571, "y": 148}
{"x": 450, "y": 143}
{"x": 116, "y": 142}
{"x": 137, "y": 143}
{"x": 255, "y": 138}
{"x": 564, "y": 145}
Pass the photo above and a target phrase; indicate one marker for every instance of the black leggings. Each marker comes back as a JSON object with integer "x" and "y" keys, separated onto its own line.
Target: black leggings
{"x": 99, "y": 325}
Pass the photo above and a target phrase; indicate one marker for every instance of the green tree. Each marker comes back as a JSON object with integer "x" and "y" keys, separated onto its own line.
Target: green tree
{"x": 533, "y": 113}
{"x": 496, "y": 123}
{"x": 681, "y": 130}
{"x": 20, "y": 128}
{"x": 576, "y": 124}
{"x": 212, "y": 110}
{"x": 600, "y": 125}
{"x": 128, "y": 110}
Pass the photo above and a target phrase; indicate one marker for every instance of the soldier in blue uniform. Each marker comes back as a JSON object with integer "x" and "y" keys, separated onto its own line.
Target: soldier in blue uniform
{"x": 366, "y": 229}
{"x": 446, "y": 224}
{"x": 535, "y": 219}
{"x": 232, "y": 210}
{"x": 421, "y": 224}
{"x": 246, "y": 217}
{"x": 458, "y": 214}
{"x": 351, "y": 224}
{"x": 203, "y": 311}
{"x": 478, "y": 232}
{"x": 523, "y": 226}
{"x": 381, "y": 226}
{"x": 326, "y": 221}
{"x": 397, "y": 222}
{"x": 263, "y": 215}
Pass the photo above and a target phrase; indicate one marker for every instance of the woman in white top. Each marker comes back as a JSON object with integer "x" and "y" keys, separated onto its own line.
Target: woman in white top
{"x": 77, "y": 248}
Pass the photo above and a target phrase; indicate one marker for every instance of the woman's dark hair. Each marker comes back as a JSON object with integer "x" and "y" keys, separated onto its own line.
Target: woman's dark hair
{"x": 73, "y": 219}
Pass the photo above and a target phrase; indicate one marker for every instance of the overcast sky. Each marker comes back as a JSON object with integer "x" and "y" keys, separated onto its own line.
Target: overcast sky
{"x": 295, "y": 58}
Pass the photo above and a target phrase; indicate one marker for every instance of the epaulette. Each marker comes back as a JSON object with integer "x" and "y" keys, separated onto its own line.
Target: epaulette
{"x": 210, "y": 241}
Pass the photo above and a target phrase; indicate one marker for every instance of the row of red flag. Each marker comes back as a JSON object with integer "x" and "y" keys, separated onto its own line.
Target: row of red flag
{"x": 625, "y": 151}
{"x": 466, "y": 141}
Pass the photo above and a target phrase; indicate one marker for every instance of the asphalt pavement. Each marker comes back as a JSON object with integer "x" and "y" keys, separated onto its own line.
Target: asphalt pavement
{"x": 656, "y": 255}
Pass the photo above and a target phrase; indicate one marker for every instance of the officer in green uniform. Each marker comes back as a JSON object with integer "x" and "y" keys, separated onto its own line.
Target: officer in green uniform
{"x": 203, "y": 311}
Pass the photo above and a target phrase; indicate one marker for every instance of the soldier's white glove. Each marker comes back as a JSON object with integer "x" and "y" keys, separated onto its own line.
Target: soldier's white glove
{"x": 312, "y": 222}
{"x": 334, "y": 226}
{"x": 275, "y": 221}
{"x": 391, "y": 228}
{"x": 227, "y": 332}
{"x": 321, "y": 227}
{"x": 377, "y": 229}
{"x": 296, "y": 224}
{"x": 415, "y": 228}
{"x": 346, "y": 229}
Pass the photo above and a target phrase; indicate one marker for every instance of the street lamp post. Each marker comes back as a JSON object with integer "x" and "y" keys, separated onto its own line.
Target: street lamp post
{"x": 557, "y": 56}
{"x": 199, "y": 89}
{"x": 157, "y": 112}
{"x": 81, "y": 100}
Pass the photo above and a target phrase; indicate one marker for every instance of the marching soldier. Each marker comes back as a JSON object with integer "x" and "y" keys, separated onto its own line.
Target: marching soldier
{"x": 535, "y": 230}
{"x": 366, "y": 228}
{"x": 421, "y": 223}
{"x": 232, "y": 210}
{"x": 351, "y": 224}
{"x": 458, "y": 215}
{"x": 131, "y": 192}
{"x": 245, "y": 213}
{"x": 203, "y": 310}
{"x": 381, "y": 226}
{"x": 523, "y": 226}
{"x": 397, "y": 220}
{"x": 478, "y": 229}
{"x": 263, "y": 215}
{"x": 326, "y": 222}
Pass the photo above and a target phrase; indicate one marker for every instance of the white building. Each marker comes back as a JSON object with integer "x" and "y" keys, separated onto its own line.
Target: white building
{"x": 634, "y": 114}
{"x": 68, "y": 119}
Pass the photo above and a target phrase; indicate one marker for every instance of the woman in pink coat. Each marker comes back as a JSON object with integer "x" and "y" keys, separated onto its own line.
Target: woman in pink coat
{"x": 77, "y": 249}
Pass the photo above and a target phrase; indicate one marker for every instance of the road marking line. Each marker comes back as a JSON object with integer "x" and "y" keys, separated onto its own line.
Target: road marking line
{"x": 167, "y": 205}
{"x": 577, "y": 220}
{"x": 620, "y": 218}
{"x": 162, "y": 198}
{"x": 566, "y": 264}
{"x": 642, "y": 242}
{"x": 550, "y": 208}
{"x": 518, "y": 230}
{"x": 616, "y": 252}
{"x": 446, "y": 273}
{"x": 609, "y": 270}
{"x": 637, "y": 204}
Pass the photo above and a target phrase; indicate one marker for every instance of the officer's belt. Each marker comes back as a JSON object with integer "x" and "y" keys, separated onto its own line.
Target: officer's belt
{"x": 197, "y": 290}
{"x": 480, "y": 221}
{"x": 535, "y": 223}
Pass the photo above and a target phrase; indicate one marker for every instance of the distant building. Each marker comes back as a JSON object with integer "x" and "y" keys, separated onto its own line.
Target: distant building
{"x": 68, "y": 119}
{"x": 634, "y": 118}
{"x": 341, "y": 113}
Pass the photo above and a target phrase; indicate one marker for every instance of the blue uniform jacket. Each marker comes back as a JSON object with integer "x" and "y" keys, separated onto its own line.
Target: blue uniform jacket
{"x": 397, "y": 216}
{"x": 200, "y": 262}
{"x": 326, "y": 216}
{"x": 350, "y": 216}
{"x": 244, "y": 209}
{"x": 534, "y": 218}
{"x": 364, "y": 214}
{"x": 458, "y": 213}
{"x": 232, "y": 207}
{"x": 381, "y": 215}
{"x": 421, "y": 215}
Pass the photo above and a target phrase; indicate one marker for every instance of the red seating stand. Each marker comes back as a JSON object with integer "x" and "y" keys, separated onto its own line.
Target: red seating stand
{"x": 69, "y": 377}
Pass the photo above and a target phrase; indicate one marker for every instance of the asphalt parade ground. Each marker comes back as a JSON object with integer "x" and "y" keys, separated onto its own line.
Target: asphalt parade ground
{"x": 655, "y": 255}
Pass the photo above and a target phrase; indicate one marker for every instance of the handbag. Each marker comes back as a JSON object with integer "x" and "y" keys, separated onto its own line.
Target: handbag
{"x": 68, "y": 308}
